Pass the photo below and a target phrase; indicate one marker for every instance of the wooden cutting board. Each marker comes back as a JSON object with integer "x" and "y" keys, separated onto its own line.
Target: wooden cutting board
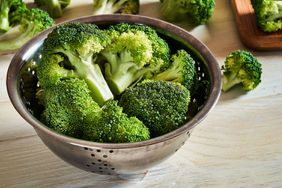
{"x": 249, "y": 33}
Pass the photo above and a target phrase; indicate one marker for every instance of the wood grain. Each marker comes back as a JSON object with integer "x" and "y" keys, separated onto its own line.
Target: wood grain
{"x": 250, "y": 34}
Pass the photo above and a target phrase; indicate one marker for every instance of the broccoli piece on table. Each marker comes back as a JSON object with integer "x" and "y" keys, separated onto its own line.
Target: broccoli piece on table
{"x": 198, "y": 11}
{"x": 25, "y": 24}
{"x": 116, "y": 6}
{"x": 70, "y": 51}
{"x": 241, "y": 67}
{"x": 11, "y": 12}
{"x": 135, "y": 52}
{"x": 114, "y": 126}
{"x": 160, "y": 105}
{"x": 268, "y": 14}
{"x": 53, "y": 7}
{"x": 182, "y": 70}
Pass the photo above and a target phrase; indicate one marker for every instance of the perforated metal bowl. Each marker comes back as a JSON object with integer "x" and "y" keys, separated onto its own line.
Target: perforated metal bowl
{"x": 113, "y": 159}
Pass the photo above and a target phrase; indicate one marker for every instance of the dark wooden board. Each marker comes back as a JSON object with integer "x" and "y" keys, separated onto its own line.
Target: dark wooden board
{"x": 249, "y": 33}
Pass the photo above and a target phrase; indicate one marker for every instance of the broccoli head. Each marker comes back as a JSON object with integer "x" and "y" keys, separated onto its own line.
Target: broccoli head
{"x": 268, "y": 14}
{"x": 53, "y": 7}
{"x": 70, "y": 110}
{"x": 116, "y": 6}
{"x": 160, "y": 105}
{"x": 198, "y": 11}
{"x": 11, "y": 12}
{"x": 114, "y": 126}
{"x": 182, "y": 70}
{"x": 241, "y": 67}
{"x": 70, "y": 50}
{"x": 28, "y": 23}
{"x": 135, "y": 52}
{"x": 68, "y": 106}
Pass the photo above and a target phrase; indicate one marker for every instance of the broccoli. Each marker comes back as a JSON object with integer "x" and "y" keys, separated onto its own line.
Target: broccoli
{"x": 68, "y": 106}
{"x": 135, "y": 52}
{"x": 268, "y": 14}
{"x": 160, "y": 105}
{"x": 182, "y": 70}
{"x": 114, "y": 126}
{"x": 241, "y": 67}
{"x": 10, "y": 12}
{"x": 70, "y": 110}
{"x": 116, "y": 6}
{"x": 25, "y": 25}
{"x": 198, "y": 11}
{"x": 53, "y": 7}
{"x": 70, "y": 51}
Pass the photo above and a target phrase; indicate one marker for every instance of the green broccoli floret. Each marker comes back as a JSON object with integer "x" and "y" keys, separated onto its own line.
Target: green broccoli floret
{"x": 68, "y": 107}
{"x": 11, "y": 12}
{"x": 181, "y": 70}
{"x": 70, "y": 51}
{"x": 241, "y": 67}
{"x": 160, "y": 105}
{"x": 198, "y": 11}
{"x": 28, "y": 23}
{"x": 70, "y": 110}
{"x": 268, "y": 14}
{"x": 116, "y": 6}
{"x": 53, "y": 7}
{"x": 114, "y": 126}
{"x": 161, "y": 51}
{"x": 135, "y": 52}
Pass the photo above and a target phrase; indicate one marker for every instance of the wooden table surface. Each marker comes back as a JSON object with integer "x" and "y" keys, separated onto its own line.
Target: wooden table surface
{"x": 239, "y": 144}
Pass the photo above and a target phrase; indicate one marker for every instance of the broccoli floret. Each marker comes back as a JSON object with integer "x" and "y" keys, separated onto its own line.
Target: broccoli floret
{"x": 53, "y": 7}
{"x": 182, "y": 70}
{"x": 114, "y": 126}
{"x": 198, "y": 11}
{"x": 68, "y": 106}
{"x": 70, "y": 110}
{"x": 241, "y": 67}
{"x": 70, "y": 50}
{"x": 268, "y": 14}
{"x": 135, "y": 52}
{"x": 161, "y": 51}
{"x": 28, "y": 24}
{"x": 11, "y": 12}
{"x": 116, "y": 6}
{"x": 160, "y": 105}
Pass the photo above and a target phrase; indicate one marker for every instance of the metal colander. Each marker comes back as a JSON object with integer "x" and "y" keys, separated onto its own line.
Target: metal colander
{"x": 116, "y": 159}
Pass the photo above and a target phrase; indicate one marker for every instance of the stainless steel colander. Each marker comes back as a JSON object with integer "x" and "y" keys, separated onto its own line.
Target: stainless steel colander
{"x": 116, "y": 159}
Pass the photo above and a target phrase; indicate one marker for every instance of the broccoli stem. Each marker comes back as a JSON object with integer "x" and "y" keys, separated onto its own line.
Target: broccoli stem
{"x": 4, "y": 20}
{"x": 170, "y": 74}
{"x": 171, "y": 10}
{"x": 10, "y": 42}
{"x": 229, "y": 81}
{"x": 55, "y": 9}
{"x": 93, "y": 76}
{"x": 121, "y": 71}
{"x": 109, "y": 7}
{"x": 121, "y": 80}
